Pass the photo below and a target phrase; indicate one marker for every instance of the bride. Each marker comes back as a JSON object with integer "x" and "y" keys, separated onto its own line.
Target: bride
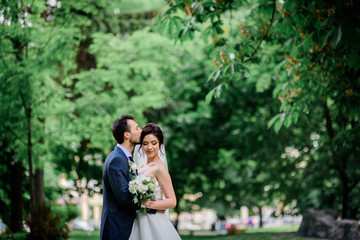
{"x": 146, "y": 225}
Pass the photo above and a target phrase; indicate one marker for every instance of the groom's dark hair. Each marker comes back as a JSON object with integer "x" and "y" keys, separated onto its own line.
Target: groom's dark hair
{"x": 120, "y": 126}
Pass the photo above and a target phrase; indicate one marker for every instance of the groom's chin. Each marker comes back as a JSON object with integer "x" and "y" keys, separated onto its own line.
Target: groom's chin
{"x": 135, "y": 142}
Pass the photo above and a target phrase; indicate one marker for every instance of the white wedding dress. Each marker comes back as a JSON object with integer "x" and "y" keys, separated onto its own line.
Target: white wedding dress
{"x": 153, "y": 226}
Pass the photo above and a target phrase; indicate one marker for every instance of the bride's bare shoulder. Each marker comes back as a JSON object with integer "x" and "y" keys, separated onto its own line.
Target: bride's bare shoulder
{"x": 161, "y": 168}
{"x": 157, "y": 167}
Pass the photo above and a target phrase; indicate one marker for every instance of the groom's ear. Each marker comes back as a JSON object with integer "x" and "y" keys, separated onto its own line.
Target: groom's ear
{"x": 126, "y": 135}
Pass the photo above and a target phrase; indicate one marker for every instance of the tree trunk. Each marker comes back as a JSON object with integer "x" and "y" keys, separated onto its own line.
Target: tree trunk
{"x": 19, "y": 46}
{"x": 39, "y": 186}
{"x": 30, "y": 160}
{"x": 345, "y": 191}
{"x": 16, "y": 213}
{"x": 39, "y": 174}
{"x": 340, "y": 165}
{"x": 345, "y": 201}
{"x": 353, "y": 212}
{"x": 260, "y": 216}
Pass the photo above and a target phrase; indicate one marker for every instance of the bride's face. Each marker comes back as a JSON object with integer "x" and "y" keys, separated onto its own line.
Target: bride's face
{"x": 150, "y": 144}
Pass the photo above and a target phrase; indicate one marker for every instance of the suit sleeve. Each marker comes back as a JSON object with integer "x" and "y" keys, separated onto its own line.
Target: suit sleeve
{"x": 118, "y": 175}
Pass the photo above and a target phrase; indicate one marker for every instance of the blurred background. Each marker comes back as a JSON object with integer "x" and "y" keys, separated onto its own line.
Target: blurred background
{"x": 258, "y": 102}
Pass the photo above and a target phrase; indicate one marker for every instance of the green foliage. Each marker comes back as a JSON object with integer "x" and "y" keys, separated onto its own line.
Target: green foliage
{"x": 289, "y": 27}
{"x": 257, "y": 100}
{"x": 38, "y": 49}
{"x": 14, "y": 236}
{"x": 128, "y": 6}
{"x": 306, "y": 51}
{"x": 66, "y": 213}
{"x": 46, "y": 224}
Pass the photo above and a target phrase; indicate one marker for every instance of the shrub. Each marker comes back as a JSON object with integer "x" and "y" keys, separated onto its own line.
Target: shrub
{"x": 47, "y": 224}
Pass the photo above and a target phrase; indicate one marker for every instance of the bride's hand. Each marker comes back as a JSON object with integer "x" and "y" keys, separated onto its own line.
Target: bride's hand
{"x": 147, "y": 202}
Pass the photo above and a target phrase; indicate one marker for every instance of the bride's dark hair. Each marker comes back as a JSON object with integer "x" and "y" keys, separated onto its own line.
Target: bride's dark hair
{"x": 151, "y": 128}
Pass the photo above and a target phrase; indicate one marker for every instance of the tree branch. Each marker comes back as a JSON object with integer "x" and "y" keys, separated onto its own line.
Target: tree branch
{"x": 329, "y": 127}
{"x": 265, "y": 35}
{"x": 10, "y": 130}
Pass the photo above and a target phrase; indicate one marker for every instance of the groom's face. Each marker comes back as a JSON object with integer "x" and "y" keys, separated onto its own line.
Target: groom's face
{"x": 135, "y": 132}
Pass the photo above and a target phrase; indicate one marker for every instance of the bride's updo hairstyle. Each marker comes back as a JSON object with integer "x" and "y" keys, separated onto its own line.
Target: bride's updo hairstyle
{"x": 151, "y": 128}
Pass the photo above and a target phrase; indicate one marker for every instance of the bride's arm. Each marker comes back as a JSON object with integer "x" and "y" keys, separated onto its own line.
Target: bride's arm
{"x": 165, "y": 183}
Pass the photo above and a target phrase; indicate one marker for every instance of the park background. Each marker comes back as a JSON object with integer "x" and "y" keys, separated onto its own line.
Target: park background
{"x": 258, "y": 101}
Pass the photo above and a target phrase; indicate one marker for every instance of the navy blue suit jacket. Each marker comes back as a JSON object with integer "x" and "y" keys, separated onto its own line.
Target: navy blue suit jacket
{"x": 118, "y": 212}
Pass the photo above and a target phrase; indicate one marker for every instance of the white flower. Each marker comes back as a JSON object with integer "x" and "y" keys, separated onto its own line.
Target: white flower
{"x": 132, "y": 187}
{"x": 132, "y": 167}
{"x": 142, "y": 183}
{"x": 142, "y": 188}
{"x": 152, "y": 186}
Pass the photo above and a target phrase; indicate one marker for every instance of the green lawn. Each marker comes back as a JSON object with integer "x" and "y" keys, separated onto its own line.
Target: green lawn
{"x": 282, "y": 229}
{"x": 279, "y": 233}
{"x": 248, "y": 236}
{"x": 82, "y": 235}
{"x": 79, "y": 235}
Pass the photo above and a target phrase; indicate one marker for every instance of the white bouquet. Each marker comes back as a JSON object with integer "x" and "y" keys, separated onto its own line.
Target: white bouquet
{"x": 141, "y": 187}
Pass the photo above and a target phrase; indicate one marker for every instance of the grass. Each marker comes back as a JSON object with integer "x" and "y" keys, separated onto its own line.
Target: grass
{"x": 281, "y": 229}
{"x": 248, "y": 236}
{"x": 84, "y": 235}
{"x": 16, "y": 236}
{"x": 278, "y": 233}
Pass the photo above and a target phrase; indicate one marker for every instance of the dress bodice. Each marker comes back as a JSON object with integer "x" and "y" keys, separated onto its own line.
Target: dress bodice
{"x": 159, "y": 194}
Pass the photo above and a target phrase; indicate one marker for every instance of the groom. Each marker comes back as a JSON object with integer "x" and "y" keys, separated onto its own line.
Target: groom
{"x": 118, "y": 212}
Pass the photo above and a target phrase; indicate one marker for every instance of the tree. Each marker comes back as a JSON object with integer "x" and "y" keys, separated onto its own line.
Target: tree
{"x": 33, "y": 54}
{"x": 317, "y": 73}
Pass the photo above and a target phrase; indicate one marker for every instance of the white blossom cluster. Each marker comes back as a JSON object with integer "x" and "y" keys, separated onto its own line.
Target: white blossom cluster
{"x": 142, "y": 187}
